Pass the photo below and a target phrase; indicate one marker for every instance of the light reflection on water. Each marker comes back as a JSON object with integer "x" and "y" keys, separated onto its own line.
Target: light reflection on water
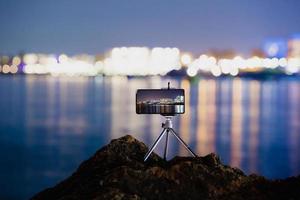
{"x": 48, "y": 125}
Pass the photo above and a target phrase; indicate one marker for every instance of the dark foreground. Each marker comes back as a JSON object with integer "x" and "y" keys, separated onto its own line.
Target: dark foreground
{"x": 117, "y": 171}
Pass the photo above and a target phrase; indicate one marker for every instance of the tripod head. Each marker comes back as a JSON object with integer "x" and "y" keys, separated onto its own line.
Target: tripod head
{"x": 168, "y": 123}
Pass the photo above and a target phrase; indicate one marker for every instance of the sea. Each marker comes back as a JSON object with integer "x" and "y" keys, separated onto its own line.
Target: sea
{"x": 49, "y": 125}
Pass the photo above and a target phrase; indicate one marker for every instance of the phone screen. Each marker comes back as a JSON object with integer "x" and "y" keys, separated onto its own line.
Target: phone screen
{"x": 160, "y": 101}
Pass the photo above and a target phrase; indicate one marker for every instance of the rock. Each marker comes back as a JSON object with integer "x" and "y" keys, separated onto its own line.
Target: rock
{"x": 117, "y": 171}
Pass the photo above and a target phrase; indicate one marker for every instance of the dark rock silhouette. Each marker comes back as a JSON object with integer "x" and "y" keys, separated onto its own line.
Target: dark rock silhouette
{"x": 117, "y": 171}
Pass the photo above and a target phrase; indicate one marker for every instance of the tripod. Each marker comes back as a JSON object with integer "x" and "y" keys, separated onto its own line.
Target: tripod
{"x": 167, "y": 128}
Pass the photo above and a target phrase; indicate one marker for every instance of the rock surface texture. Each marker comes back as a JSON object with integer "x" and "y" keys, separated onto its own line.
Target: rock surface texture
{"x": 117, "y": 171}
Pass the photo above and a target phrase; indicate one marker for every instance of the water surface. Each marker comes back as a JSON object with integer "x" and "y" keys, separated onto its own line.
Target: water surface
{"x": 49, "y": 125}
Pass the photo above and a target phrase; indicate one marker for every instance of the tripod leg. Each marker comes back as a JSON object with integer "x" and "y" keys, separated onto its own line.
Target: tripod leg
{"x": 183, "y": 143}
{"x": 166, "y": 145}
{"x": 154, "y": 145}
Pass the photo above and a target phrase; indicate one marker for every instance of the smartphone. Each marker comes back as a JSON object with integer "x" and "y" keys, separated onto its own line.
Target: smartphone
{"x": 160, "y": 101}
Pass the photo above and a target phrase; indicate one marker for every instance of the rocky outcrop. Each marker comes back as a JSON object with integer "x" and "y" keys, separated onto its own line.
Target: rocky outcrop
{"x": 117, "y": 171}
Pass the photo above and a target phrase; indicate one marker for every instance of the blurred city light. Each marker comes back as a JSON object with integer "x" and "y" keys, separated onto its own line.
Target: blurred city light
{"x": 275, "y": 47}
{"x": 143, "y": 61}
{"x": 5, "y": 69}
{"x": 186, "y": 59}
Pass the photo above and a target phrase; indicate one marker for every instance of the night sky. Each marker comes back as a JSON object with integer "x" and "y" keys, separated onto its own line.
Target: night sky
{"x": 94, "y": 26}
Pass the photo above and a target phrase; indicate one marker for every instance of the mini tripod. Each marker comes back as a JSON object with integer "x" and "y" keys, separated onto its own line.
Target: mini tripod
{"x": 167, "y": 128}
